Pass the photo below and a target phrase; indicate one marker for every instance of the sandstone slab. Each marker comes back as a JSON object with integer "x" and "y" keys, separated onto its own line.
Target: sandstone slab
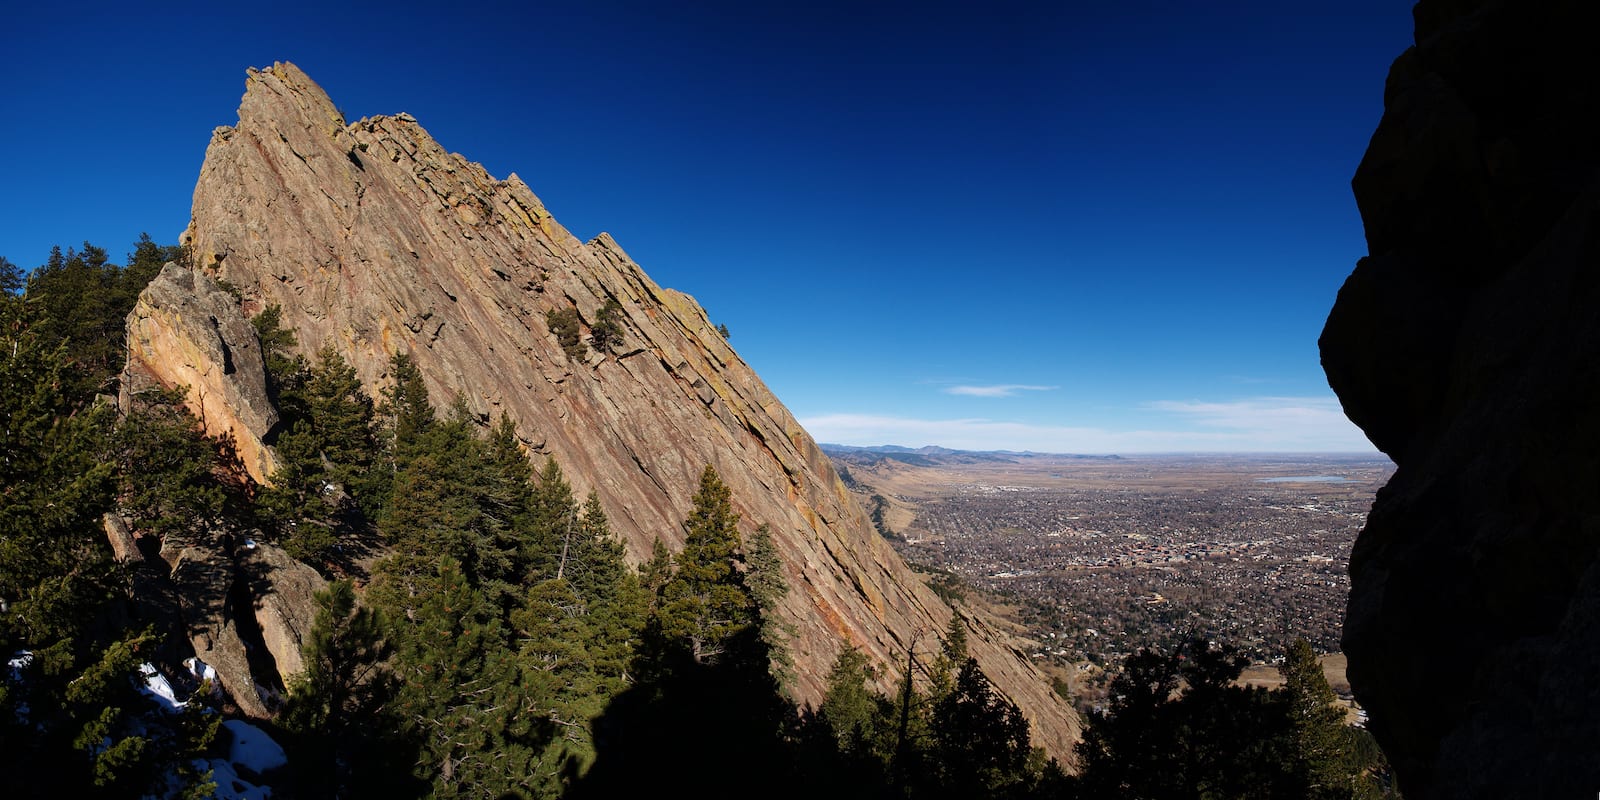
{"x": 375, "y": 240}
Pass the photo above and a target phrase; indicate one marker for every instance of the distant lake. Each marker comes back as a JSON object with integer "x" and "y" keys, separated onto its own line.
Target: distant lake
{"x": 1307, "y": 479}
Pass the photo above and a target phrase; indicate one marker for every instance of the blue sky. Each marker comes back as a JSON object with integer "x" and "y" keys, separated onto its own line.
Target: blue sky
{"x": 1066, "y": 227}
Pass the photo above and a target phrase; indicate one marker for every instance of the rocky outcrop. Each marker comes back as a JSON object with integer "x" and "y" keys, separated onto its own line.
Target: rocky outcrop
{"x": 1467, "y": 346}
{"x": 186, "y": 331}
{"x": 374, "y": 240}
{"x": 244, "y": 607}
{"x": 282, "y": 598}
{"x": 202, "y": 587}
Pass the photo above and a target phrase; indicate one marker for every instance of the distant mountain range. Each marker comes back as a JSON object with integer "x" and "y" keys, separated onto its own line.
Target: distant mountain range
{"x": 931, "y": 455}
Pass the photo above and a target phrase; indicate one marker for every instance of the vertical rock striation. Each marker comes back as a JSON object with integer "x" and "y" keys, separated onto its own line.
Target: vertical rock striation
{"x": 375, "y": 240}
{"x": 1467, "y": 346}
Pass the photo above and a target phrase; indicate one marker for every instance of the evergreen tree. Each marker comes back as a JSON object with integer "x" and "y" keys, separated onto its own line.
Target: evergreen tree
{"x": 338, "y": 705}
{"x": 510, "y": 498}
{"x": 846, "y": 743}
{"x": 767, "y": 588}
{"x": 1215, "y": 739}
{"x": 706, "y": 602}
{"x": 71, "y": 719}
{"x": 286, "y": 370}
{"x": 851, "y": 712}
{"x": 83, "y": 301}
{"x": 552, "y": 524}
{"x": 559, "y": 679}
{"x": 655, "y": 572}
{"x": 478, "y": 729}
{"x": 406, "y": 410}
{"x": 1323, "y": 763}
{"x": 981, "y": 745}
{"x": 326, "y": 455}
{"x": 146, "y": 261}
{"x": 606, "y": 333}
{"x": 169, "y": 472}
{"x": 952, "y": 657}
{"x": 55, "y": 564}
{"x": 704, "y": 697}
{"x": 611, "y": 596}
{"x": 442, "y": 502}
{"x": 11, "y": 278}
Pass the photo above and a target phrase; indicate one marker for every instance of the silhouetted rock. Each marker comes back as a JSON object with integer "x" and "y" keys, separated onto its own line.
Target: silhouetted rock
{"x": 1467, "y": 346}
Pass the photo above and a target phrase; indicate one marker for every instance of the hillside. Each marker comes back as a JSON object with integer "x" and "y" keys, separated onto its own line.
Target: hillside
{"x": 374, "y": 240}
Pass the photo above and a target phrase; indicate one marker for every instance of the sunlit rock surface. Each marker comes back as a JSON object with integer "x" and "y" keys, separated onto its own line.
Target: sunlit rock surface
{"x": 374, "y": 240}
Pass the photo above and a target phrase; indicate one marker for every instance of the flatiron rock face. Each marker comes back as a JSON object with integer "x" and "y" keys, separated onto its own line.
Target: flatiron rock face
{"x": 1467, "y": 346}
{"x": 375, "y": 240}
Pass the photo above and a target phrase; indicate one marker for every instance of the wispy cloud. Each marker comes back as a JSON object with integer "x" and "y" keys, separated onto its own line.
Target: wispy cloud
{"x": 997, "y": 390}
{"x": 1266, "y": 424}
{"x": 1306, "y": 415}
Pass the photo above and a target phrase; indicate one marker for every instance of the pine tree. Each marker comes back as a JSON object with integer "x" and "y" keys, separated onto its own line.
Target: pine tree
{"x": 337, "y": 705}
{"x": 146, "y": 261}
{"x": 1322, "y": 762}
{"x": 850, "y": 710}
{"x": 952, "y": 657}
{"x": 703, "y": 698}
{"x": 69, "y": 714}
{"x": 845, "y": 745}
{"x": 706, "y": 603}
{"x": 406, "y": 410}
{"x": 55, "y": 564}
{"x": 768, "y": 587}
{"x": 552, "y": 523}
{"x": 980, "y": 739}
{"x": 326, "y": 455}
{"x": 11, "y": 278}
{"x": 509, "y": 500}
{"x": 654, "y": 573}
{"x": 286, "y": 370}
{"x": 169, "y": 472}
{"x": 461, "y": 696}
{"x": 84, "y": 300}
{"x": 606, "y": 333}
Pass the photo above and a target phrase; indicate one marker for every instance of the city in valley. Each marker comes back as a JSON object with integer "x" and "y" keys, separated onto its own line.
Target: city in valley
{"x": 1096, "y": 557}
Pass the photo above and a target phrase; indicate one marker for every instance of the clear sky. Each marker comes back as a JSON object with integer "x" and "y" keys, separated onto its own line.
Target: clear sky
{"x": 1051, "y": 226}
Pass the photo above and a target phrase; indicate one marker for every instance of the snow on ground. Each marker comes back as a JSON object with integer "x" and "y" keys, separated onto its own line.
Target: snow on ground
{"x": 19, "y": 661}
{"x": 157, "y": 688}
{"x": 229, "y": 785}
{"x": 252, "y": 748}
{"x": 200, "y": 669}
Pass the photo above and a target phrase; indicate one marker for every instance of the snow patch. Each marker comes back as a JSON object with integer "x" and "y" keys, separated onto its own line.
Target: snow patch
{"x": 252, "y": 748}
{"x": 157, "y": 688}
{"x": 19, "y": 662}
{"x": 200, "y": 669}
{"x": 229, "y": 785}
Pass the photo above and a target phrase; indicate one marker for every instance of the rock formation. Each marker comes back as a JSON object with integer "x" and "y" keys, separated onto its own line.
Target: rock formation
{"x": 1467, "y": 346}
{"x": 374, "y": 240}
{"x": 186, "y": 332}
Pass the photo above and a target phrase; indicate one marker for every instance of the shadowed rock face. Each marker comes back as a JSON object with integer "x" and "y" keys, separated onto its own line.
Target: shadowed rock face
{"x": 1467, "y": 346}
{"x": 375, "y": 240}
